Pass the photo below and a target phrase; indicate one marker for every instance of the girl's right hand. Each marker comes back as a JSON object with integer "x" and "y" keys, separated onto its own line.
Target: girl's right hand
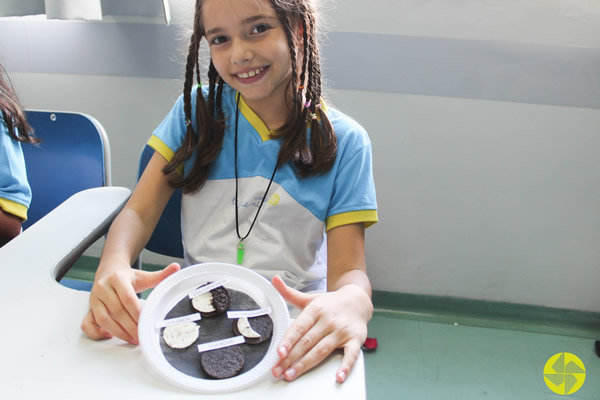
{"x": 114, "y": 305}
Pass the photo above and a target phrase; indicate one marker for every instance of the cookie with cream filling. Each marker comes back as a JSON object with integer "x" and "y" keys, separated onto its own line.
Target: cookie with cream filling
{"x": 255, "y": 330}
{"x": 181, "y": 336}
{"x": 213, "y": 303}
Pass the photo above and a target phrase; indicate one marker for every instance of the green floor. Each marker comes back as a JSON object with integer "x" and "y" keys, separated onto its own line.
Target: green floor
{"x": 431, "y": 360}
{"x": 433, "y": 348}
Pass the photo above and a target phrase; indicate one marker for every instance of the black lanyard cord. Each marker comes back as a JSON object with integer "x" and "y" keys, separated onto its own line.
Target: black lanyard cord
{"x": 237, "y": 226}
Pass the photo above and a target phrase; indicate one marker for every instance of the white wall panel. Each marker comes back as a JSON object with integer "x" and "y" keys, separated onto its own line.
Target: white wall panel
{"x": 481, "y": 199}
{"x": 551, "y": 22}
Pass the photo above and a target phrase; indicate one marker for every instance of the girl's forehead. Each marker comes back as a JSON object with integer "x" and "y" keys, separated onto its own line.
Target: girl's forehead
{"x": 217, "y": 12}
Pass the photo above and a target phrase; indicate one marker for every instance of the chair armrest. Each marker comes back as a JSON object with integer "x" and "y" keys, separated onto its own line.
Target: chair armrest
{"x": 57, "y": 240}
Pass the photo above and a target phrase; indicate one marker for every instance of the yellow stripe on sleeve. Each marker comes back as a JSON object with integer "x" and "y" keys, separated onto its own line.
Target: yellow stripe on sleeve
{"x": 164, "y": 151}
{"x": 369, "y": 217}
{"x": 14, "y": 208}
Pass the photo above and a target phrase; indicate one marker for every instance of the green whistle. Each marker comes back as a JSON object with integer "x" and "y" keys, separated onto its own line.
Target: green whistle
{"x": 240, "y": 252}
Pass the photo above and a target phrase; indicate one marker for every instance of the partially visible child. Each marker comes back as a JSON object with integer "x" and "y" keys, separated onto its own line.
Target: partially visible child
{"x": 15, "y": 193}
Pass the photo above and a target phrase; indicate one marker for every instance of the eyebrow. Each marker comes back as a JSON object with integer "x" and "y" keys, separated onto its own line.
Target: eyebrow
{"x": 245, "y": 22}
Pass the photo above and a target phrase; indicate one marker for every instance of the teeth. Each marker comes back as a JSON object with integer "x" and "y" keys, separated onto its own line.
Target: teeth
{"x": 250, "y": 74}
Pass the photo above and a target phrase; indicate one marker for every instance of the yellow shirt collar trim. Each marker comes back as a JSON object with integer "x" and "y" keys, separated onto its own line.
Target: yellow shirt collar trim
{"x": 255, "y": 120}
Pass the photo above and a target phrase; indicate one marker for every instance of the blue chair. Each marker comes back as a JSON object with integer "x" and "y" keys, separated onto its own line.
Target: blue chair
{"x": 74, "y": 155}
{"x": 166, "y": 238}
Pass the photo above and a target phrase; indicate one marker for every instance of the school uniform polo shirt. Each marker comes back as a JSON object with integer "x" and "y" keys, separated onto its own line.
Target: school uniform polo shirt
{"x": 289, "y": 236}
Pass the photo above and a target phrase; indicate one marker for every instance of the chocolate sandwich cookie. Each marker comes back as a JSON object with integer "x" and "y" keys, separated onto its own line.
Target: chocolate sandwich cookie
{"x": 181, "y": 335}
{"x": 255, "y": 330}
{"x": 213, "y": 303}
{"x": 222, "y": 363}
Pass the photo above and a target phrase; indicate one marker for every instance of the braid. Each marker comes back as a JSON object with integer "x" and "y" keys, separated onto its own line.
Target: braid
{"x": 212, "y": 131}
{"x": 208, "y": 141}
{"x": 212, "y": 79}
{"x": 220, "y": 99}
{"x": 294, "y": 130}
{"x": 323, "y": 144}
{"x": 288, "y": 28}
{"x": 317, "y": 154}
{"x": 306, "y": 55}
{"x": 189, "y": 142}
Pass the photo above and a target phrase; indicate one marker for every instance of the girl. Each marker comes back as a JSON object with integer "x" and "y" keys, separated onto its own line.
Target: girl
{"x": 15, "y": 193}
{"x": 258, "y": 139}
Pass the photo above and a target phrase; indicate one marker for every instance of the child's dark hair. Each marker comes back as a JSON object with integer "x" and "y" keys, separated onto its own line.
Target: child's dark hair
{"x": 12, "y": 112}
{"x": 313, "y": 159}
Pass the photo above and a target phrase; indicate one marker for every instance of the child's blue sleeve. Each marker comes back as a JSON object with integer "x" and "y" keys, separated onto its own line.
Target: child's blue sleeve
{"x": 168, "y": 137}
{"x": 169, "y": 134}
{"x": 15, "y": 193}
{"x": 353, "y": 198}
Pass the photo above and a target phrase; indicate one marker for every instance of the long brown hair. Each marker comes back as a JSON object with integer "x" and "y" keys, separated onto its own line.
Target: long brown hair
{"x": 305, "y": 85}
{"x": 12, "y": 112}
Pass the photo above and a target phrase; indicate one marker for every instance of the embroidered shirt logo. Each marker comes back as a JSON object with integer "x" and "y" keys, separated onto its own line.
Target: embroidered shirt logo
{"x": 274, "y": 199}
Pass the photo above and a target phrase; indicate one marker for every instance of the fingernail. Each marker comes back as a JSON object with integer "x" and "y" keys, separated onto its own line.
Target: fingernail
{"x": 342, "y": 376}
{"x": 278, "y": 371}
{"x": 283, "y": 352}
{"x": 290, "y": 374}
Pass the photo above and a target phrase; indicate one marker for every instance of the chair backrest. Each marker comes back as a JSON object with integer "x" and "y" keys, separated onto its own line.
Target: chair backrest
{"x": 74, "y": 155}
{"x": 166, "y": 238}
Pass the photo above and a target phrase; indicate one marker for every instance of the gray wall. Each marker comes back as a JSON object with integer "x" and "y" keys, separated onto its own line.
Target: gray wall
{"x": 484, "y": 117}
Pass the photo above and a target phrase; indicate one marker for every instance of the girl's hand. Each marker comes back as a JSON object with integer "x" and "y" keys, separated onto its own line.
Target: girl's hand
{"x": 114, "y": 305}
{"x": 328, "y": 321}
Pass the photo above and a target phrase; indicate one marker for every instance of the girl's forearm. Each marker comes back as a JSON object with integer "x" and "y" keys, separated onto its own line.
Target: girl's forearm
{"x": 125, "y": 240}
{"x": 134, "y": 225}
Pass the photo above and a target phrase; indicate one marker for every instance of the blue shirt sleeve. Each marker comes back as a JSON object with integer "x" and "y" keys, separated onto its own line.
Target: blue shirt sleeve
{"x": 353, "y": 197}
{"x": 168, "y": 137}
{"x": 15, "y": 193}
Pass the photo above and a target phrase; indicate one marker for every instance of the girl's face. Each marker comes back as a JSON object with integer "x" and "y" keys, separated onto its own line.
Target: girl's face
{"x": 249, "y": 48}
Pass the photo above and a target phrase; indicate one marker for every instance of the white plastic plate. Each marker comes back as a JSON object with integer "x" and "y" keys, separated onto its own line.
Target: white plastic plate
{"x": 170, "y": 291}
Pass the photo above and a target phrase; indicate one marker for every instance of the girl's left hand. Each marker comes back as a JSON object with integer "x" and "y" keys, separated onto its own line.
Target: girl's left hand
{"x": 328, "y": 321}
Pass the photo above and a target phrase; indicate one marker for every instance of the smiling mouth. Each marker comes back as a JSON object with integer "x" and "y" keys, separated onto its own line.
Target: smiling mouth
{"x": 250, "y": 74}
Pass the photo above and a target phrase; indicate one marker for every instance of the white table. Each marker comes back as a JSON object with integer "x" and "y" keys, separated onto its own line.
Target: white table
{"x": 44, "y": 353}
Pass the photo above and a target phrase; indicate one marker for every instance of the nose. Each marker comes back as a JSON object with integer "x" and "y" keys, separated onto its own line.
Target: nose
{"x": 241, "y": 52}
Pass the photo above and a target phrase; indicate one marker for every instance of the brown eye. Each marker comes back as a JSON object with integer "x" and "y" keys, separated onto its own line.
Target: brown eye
{"x": 261, "y": 28}
{"x": 218, "y": 40}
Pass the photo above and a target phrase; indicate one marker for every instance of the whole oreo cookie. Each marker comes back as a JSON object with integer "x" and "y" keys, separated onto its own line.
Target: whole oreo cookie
{"x": 222, "y": 363}
{"x": 213, "y": 303}
{"x": 255, "y": 330}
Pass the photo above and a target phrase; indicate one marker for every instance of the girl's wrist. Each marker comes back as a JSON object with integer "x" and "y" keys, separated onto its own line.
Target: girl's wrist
{"x": 355, "y": 278}
{"x": 359, "y": 293}
{"x": 108, "y": 266}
